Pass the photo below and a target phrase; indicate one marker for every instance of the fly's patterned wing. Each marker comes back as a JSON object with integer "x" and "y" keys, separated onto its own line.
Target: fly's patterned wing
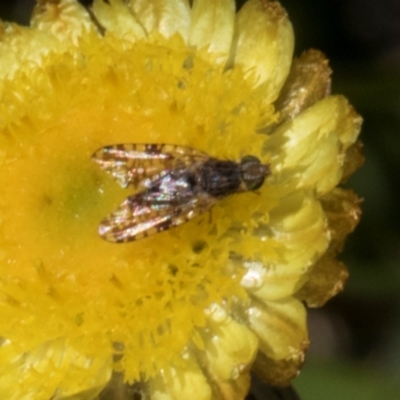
{"x": 175, "y": 184}
{"x": 138, "y": 165}
{"x": 152, "y": 211}
{"x": 169, "y": 196}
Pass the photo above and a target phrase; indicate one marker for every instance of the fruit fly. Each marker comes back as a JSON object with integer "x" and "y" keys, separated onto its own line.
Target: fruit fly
{"x": 173, "y": 184}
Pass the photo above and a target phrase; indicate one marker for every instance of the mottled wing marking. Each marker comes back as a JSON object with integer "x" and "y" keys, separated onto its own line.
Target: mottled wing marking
{"x": 158, "y": 170}
{"x": 175, "y": 184}
{"x": 138, "y": 217}
{"x": 139, "y": 165}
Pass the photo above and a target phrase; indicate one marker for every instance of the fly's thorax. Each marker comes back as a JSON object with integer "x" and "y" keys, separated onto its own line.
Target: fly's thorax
{"x": 220, "y": 178}
{"x": 253, "y": 173}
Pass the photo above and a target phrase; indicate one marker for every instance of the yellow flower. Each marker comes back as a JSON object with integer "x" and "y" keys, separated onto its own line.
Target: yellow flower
{"x": 190, "y": 311}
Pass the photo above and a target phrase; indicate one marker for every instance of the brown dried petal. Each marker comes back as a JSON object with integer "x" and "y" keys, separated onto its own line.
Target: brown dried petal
{"x": 308, "y": 82}
{"x": 328, "y": 276}
{"x": 342, "y": 208}
{"x": 281, "y": 372}
{"x": 354, "y": 159}
{"x": 327, "y": 279}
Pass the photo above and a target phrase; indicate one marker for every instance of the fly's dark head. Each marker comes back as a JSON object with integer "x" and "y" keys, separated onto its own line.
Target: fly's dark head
{"x": 253, "y": 172}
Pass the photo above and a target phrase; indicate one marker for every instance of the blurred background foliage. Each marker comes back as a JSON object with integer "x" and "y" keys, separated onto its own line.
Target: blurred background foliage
{"x": 355, "y": 338}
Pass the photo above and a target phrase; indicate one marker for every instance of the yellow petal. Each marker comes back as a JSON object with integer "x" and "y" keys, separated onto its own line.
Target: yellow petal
{"x": 49, "y": 369}
{"x": 230, "y": 349}
{"x": 181, "y": 383}
{"x": 313, "y": 145}
{"x": 280, "y": 325}
{"x": 115, "y": 16}
{"x": 281, "y": 329}
{"x": 298, "y": 233}
{"x": 163, "y": 16}
{"x": 212, "y": 27}
{"x": 265, "y": 44}
{"x": 55, "y": 28}
{"x": 66, "y": 20}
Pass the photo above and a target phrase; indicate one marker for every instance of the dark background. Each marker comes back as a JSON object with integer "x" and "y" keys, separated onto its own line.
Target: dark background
{"x": 355, "y": 351}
